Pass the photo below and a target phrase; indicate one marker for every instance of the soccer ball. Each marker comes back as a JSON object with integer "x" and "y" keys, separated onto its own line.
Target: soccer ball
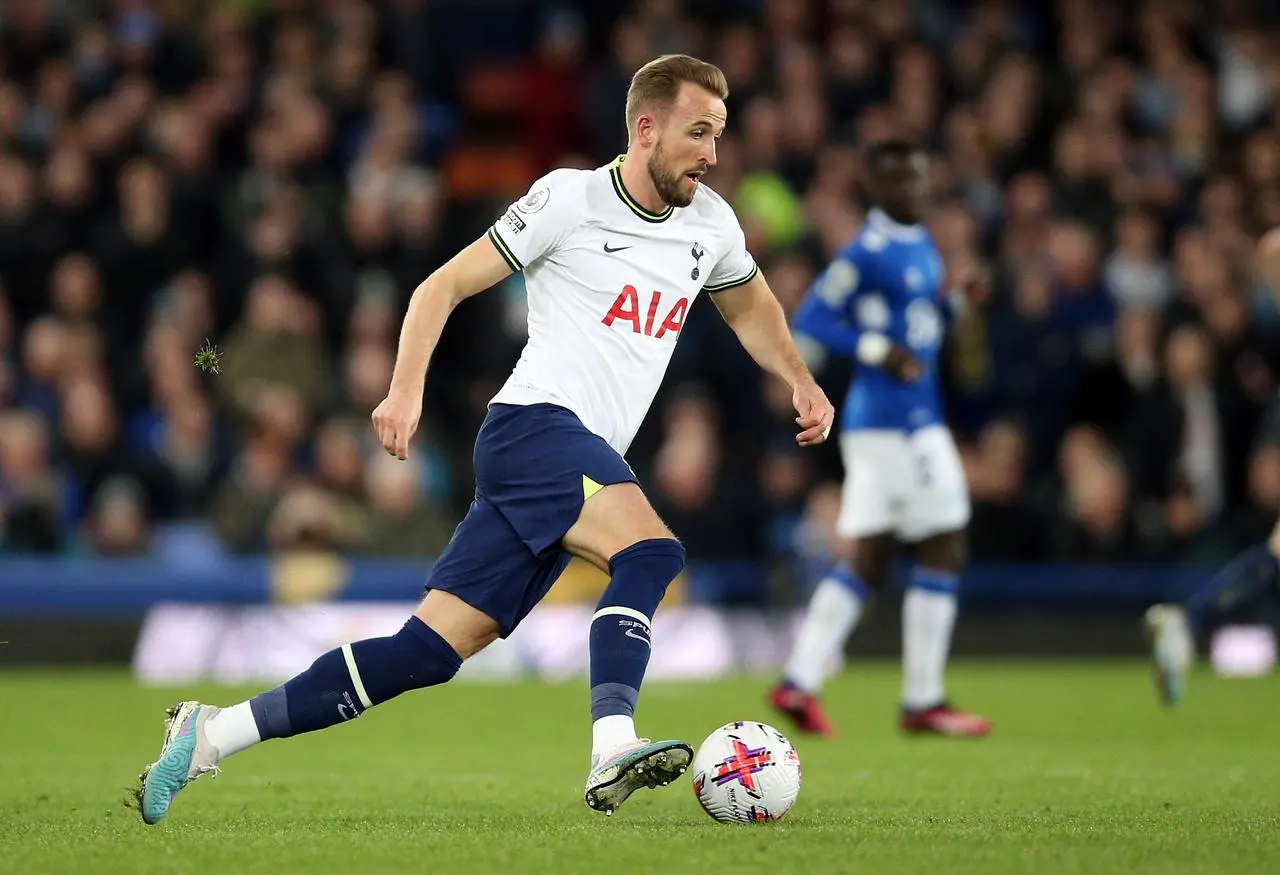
{"x": 746, "y": 773}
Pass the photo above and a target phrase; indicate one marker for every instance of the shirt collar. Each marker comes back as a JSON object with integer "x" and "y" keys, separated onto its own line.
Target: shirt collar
{"x": 880, "y": 220}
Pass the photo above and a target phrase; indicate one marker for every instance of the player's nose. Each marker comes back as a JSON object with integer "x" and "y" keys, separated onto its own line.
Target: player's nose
{"x": 708, "y": 153}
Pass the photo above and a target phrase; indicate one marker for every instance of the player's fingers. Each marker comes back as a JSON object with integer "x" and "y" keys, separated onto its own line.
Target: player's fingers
{"x": 811, "y": 436}
{"x": 388, "y": 437}
{"x": 402, "y": 443}
{"x": 810, "y": 413}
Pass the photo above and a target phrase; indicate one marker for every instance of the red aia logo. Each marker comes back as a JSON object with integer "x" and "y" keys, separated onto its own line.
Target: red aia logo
{"x": 626, "y": 308}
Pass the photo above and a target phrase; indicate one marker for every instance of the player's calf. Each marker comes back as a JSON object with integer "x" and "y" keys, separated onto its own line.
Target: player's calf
{"x": 339, "y": 686}
{"x": 345, "y": 682}
{"x": 834, "y": 609}
{"x": 621, "y": 630}
{"x": 928, "y": 617}
{"x": 621, "y": 643}
{"x": 617, "y": 527}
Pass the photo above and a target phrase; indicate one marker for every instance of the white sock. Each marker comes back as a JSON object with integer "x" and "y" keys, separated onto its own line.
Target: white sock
{"x": 232, "y": 729}
{"x": 928, "y": 616}
{"x": 611, "y": 732}
{"x": 833, "y": 612}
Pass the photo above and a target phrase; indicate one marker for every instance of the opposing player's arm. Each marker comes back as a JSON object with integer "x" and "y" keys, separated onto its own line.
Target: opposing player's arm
{"x": 823, "y": 316}
{"x": 753, "y": 312}
{"x": 822, "y": 313}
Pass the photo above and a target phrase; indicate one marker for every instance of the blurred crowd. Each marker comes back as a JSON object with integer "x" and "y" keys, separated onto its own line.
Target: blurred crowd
{"x": 278, "y": 177}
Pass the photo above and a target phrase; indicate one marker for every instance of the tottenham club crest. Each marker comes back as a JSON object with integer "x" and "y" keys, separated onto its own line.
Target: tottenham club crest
{"x": 697, "y": 252}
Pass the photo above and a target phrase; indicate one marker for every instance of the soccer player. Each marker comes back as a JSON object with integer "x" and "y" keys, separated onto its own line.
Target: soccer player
{"x": 881, "y": 302}
{"x": 612, "y": 259}
{"x": 1249, "y": 578}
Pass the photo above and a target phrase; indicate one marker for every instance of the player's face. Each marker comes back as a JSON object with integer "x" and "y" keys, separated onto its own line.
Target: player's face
{"x": 903, "y": 186}
{"x": 686, "y": 144}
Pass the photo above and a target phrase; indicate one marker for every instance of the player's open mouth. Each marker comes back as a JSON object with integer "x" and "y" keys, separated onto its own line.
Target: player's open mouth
{"x": 695, "y": 175}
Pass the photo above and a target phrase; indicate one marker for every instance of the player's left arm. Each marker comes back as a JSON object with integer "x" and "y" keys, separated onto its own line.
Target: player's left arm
{"x": 755, "y": 315}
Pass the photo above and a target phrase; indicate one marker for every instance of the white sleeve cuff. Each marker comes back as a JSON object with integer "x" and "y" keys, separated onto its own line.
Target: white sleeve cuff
{"x": 873, "y": 348}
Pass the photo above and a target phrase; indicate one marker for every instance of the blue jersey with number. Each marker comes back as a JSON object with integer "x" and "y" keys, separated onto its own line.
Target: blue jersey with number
{"x": 887, "y": 280}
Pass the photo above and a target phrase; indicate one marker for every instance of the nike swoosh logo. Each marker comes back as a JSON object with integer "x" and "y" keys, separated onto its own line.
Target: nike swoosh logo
{"x": 615, "y": 249}
{"x": 631, "y": 633}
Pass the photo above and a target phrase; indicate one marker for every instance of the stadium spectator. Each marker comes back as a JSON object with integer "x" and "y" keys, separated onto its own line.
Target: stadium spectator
{"x": 277, "y": 177}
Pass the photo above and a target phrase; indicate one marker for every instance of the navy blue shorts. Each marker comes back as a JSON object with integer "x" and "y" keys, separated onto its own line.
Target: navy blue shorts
{"x": 535, "y": 465}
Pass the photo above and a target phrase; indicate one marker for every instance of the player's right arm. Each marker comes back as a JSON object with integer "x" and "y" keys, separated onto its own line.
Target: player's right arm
{"x": 528, "y": 230}
{"x": 823, "y": 315}
{"x": 468, "y": 273}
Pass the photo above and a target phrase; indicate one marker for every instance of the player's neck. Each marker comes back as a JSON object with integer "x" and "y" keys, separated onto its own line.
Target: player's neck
{"x": 880, "y": 214}
{"x": 635, "y": 179}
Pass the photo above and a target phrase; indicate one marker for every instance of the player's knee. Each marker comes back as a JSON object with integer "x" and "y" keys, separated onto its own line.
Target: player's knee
{"x": 948, "y": 551}
{"x": 641, "y": 573}
{"x": 666, "y": 552}
{"x": 874, "y": 574}
{"x": 871, "y": 562}
{"x": 464, "y": 628}
{"x": 842, "y": 550}
{"x": 613, "y": 520}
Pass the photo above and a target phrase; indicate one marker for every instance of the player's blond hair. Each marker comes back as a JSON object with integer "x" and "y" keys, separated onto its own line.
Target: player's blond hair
{"x": 656, "y": 84}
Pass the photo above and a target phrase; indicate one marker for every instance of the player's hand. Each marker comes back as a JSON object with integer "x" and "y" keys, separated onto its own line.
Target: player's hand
{"x": 396, "y": 419}
{"x": 903, "y": 365}
{"x": 816, "y": 414}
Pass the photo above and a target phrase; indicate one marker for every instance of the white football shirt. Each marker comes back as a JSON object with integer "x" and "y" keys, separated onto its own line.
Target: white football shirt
{"x": 609, "y": 287}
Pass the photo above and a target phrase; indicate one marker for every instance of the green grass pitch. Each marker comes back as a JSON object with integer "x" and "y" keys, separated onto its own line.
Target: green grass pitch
{"x": 1084, "y": 774}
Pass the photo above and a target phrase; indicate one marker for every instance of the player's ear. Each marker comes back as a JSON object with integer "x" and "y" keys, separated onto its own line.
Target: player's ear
{"x": 646, "y": 130}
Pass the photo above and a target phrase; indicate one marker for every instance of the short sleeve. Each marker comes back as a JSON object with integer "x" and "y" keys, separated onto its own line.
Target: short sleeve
{"x": 841, "y": 280}
{"x": 736, "y": 267}
{"x": 537, "y": 223}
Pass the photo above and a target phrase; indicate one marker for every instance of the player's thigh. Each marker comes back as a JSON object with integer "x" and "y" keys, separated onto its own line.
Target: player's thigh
{"x": 937, "y": 500}
{"x": 873, "y": 470}
{"x": 560, "y": 486}
{"x": 478, "y": 589}
{"x": 611, "y": 520}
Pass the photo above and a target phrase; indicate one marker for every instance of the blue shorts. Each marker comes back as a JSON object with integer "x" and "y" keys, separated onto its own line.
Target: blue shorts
{"x": 535, "y": 465}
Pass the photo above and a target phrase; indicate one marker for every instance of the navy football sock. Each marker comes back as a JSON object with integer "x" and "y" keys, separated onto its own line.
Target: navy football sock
{"x": 1240, "y": 584}
{"x": 343, "y": 683}
{"x": 620, "y": 628}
